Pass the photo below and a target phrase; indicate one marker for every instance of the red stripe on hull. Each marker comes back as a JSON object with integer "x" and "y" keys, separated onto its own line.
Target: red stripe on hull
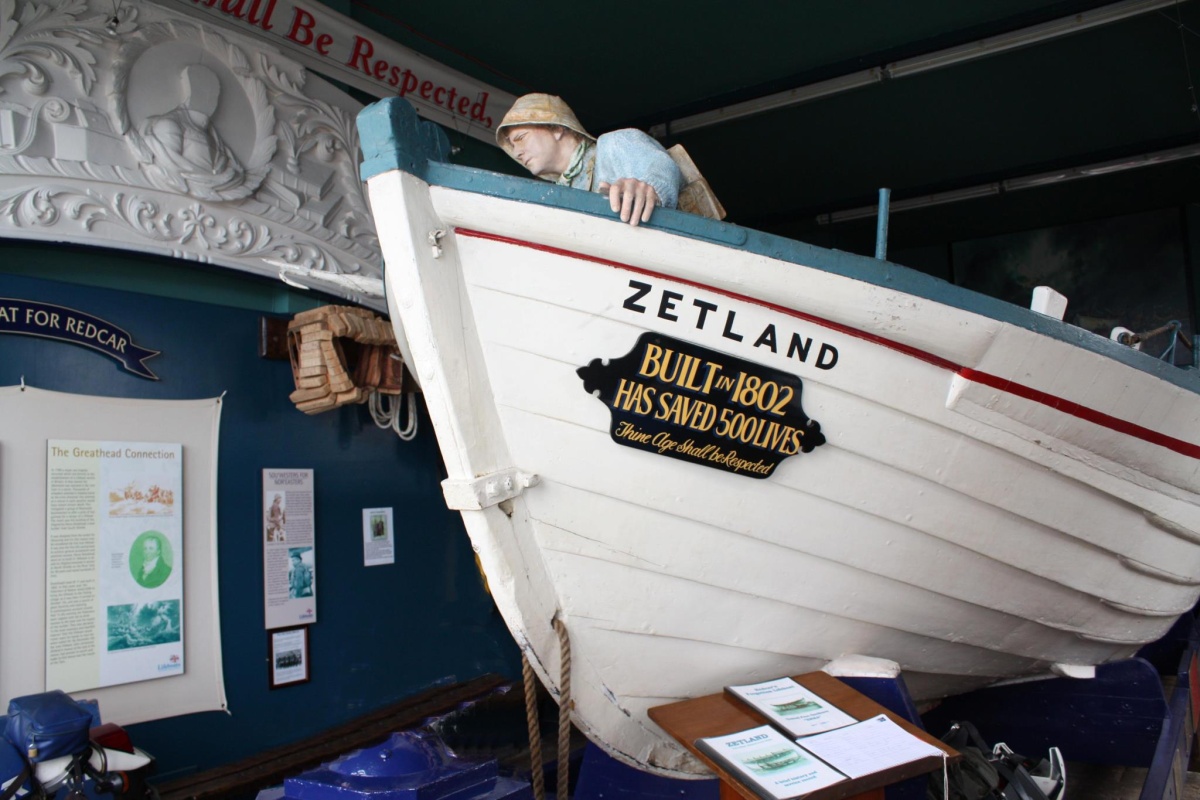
{"x": 1057, "y": 403}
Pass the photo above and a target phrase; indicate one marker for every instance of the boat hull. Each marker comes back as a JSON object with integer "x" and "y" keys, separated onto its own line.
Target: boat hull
{"x": 989, "y": 502}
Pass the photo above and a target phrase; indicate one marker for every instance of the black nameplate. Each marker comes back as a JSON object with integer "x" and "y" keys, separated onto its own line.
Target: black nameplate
{"x": 684, "y": 401}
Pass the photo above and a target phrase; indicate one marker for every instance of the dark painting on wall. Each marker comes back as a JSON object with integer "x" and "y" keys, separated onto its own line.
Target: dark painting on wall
{"x": 1127, "y": 271}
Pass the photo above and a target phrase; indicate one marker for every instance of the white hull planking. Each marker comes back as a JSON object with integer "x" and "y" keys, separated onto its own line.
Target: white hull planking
{"x": 968, "y": 533}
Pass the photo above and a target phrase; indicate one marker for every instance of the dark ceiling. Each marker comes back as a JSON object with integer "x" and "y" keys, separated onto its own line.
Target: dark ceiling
{"x": 1115, "y": 91}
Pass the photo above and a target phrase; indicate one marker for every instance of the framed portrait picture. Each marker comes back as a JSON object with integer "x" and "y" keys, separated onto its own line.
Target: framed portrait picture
{"x": 288, "y": 656}
{"x": 378, "y": 537}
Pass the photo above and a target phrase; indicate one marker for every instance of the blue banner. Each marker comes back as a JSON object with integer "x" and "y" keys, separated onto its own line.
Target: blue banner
{"x": 31, "y": 318}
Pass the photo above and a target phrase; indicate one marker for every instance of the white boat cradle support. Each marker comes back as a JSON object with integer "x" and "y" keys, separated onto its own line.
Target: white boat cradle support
{"x": 1000, "y": 495}
{"x": 486, "y": 490}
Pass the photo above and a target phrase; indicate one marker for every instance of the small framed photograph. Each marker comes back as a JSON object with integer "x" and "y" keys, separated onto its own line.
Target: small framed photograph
{"x": 378, "y": 537}
{"x": 289, "y": 656}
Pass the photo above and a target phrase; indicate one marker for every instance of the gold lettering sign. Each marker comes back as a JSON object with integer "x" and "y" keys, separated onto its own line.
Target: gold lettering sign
{"x": 684, "y": 401}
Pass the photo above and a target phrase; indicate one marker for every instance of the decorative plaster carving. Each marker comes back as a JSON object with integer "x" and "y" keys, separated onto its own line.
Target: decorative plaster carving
{"x": 163, "y": 135}
{"x": 195, "y": 232}
{"x": 180, "y": 144}
{"x": 32, "y": 33}
{"x": 52, "y": 109}
{"x": 331, "y": 134}
{"x": 195, "y": 227}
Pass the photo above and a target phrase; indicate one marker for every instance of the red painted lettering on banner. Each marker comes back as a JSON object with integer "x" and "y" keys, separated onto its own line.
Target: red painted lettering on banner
{"x": 363, "y": 50}
{"x": 266, "y": 19}
{"x": 302, "y": 27}
{"x": 256, "y": 16}
{"x": 305, "y": 31}
{"x": 478, "y": 107}
{"x": 408, "y": 84}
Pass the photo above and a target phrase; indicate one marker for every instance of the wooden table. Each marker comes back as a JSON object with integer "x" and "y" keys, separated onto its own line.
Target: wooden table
{"x": 721, "y": 714}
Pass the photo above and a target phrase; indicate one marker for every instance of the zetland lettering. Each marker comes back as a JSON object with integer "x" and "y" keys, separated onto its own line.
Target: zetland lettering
{"x": 748, "y": 740}
{"x": 703, "y": 313}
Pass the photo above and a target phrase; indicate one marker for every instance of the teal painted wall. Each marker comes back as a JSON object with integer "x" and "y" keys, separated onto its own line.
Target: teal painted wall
{"x": 383, "y": 633}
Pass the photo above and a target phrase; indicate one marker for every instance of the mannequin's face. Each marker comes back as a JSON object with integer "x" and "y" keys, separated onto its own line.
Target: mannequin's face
{"x": 541, "y": 149}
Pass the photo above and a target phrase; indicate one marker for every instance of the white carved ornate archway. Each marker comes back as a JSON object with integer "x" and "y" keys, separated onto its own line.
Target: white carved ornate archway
{"x": 158, "y": 133}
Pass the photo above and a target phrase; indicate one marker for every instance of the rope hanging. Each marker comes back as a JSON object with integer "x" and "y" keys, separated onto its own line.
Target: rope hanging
{"x": 535, "y": 732}
{"x": 564, "y": 707}
{"x": 564, "y": 718}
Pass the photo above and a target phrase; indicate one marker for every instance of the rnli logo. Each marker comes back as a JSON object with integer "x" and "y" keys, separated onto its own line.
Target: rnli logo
{"x": 173, "y": 662}
{"x": 684, "y": 401}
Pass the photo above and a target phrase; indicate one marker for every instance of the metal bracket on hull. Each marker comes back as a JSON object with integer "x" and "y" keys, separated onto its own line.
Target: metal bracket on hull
{"x": 486, "y": 490}
{"x": 435, "y": 242}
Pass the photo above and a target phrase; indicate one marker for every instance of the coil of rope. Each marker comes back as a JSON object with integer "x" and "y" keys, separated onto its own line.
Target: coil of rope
{"x": 386, "y": 413}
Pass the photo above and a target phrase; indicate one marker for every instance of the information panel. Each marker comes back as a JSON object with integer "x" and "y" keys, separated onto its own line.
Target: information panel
{"x": 114, "y": 562}
{"x": 289, "y": 554}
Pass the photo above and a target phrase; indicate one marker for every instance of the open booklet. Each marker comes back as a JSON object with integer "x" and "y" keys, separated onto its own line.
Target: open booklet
{"x": 777, "y": 768}
{"x": 790, "y": 706}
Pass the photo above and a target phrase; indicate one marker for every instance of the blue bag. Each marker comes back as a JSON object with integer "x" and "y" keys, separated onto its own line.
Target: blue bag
{"x": 48, "y": 725}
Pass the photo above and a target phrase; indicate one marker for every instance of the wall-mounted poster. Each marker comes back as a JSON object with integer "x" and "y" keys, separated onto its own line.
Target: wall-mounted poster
{"x": 378, "y": 537}
{"x": 288, "y": 536}
{"x": 114, "y": 563}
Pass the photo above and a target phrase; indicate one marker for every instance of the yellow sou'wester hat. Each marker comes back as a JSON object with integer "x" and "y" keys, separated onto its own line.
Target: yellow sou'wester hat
{"x": 539, "y": 109}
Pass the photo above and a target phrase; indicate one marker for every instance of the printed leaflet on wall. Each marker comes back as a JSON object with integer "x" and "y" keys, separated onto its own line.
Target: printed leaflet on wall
{"x": 289, "y": 551}
{"x": 114, "y": 563}
{"x": 378, "y": 537}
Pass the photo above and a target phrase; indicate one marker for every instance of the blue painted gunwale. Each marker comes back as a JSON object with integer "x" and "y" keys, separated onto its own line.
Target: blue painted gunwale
{"x": 393, "y": 137}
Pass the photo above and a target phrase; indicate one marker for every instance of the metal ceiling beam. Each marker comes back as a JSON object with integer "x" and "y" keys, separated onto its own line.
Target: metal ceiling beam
{"x": 916, "y": 65}
{"x": 1017, "y": 184}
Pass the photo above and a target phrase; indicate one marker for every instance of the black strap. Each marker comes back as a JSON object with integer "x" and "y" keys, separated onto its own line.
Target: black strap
{"x": 965, "y": 733}
{"x": 1019, "y": 784}
{"x": 11, "y": 791}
